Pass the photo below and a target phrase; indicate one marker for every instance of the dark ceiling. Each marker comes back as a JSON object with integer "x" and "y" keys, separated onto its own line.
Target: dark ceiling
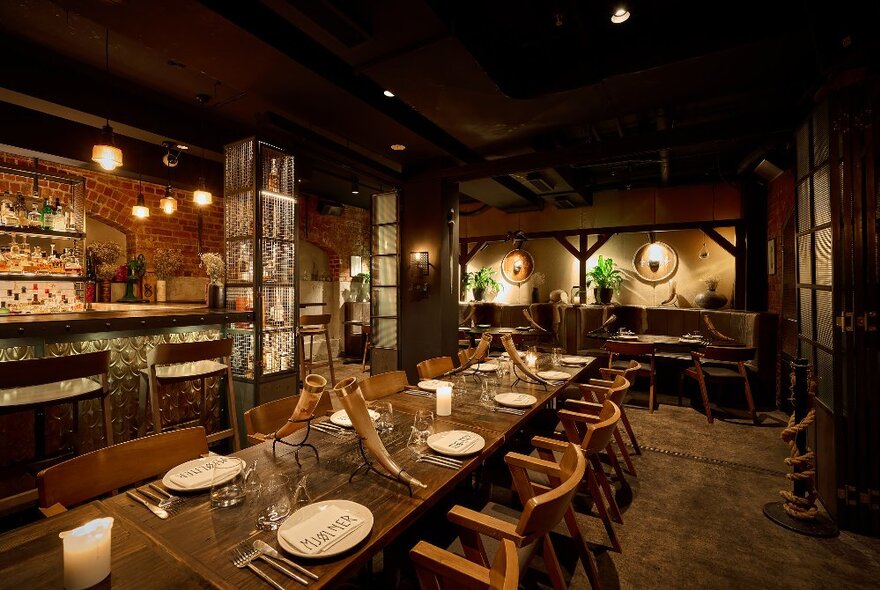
{"x": 674, "y": 95}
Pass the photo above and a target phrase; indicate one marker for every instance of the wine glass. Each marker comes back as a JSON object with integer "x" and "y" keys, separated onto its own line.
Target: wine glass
{"x": 488, "y": 391}
{"x": 276, "y": 497}
{"x": 227, "y": 483}
{"x": 385, "y": 422}
{"x": 423, "y": 427}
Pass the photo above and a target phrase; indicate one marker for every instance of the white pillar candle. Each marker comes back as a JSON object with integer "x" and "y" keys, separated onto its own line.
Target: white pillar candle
{"x": 444, "y": 400}
{"x": 87, "y": 554}
{"x": 531, "y": 360}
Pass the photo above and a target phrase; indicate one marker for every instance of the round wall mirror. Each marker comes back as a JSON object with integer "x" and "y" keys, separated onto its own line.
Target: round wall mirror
{"x": 655, "y": 261}
{"x": 517, "y": 266}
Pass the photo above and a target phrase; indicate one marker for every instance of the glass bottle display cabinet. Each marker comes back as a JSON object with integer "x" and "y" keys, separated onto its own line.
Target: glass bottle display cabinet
{"x": 261, "y": 255}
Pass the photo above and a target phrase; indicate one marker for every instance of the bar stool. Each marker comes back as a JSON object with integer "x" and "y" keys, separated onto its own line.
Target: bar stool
{"x": 311, "y": 326}
{"x": 36, "y": 384}
{"x": 367, "y": 331}
{"x": 168, "y": 364}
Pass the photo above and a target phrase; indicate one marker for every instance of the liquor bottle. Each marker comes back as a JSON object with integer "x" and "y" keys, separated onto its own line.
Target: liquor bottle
{"x": 91, "y": 280}
{"x": 34, "y": 218}
{"x": 59, "y": 222}
{"x": 3, "y": 309}
{"x": 22, "y": 210}
{"x": 47, "y": 215}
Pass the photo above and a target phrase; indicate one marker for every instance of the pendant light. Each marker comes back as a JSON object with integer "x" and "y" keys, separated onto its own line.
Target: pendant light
{"x": 704, "y": 252}
{"x": 140, "y": 209}
{"x": 620, "y": 15}
{"x": 202, "y": 196}
{"x": 168, "y": 203}
{"x": 105, "y": 153}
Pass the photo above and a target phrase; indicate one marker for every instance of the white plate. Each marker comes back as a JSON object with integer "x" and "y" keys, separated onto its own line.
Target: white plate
{"x": 486, "y": 367}
{"x": 341, "y": 418}
{"x": 575, "y": 360}
{"x": 625, "y": 337}
{"x": 484, "y": 325}
{"x": 343, "y": 545}
{"x": 166, "y": 481}
{"x": 516, "y": 400}
{"x": 470, "y": 443}
{"x": 554, "y": 375}
{"x": 433, "y": 384}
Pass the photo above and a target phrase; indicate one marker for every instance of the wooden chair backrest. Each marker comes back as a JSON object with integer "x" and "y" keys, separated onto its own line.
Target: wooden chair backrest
{"x": 464, "y": 354}
{"x": 269, "y": 417}
{"x": 383, "y": 385}
{"x": 438, "y": 569}
{"x": 617, "y": 391}
{"x": 543, "y": 511}
{"x": 314, "y": 319}
{"x": 733, "y": 354}
{"x": 633, "y": 367}
{"x": 430, "y": 368}
{"x": 188, "y": 352}
{"x": 94, "y": 474}
{"x": 598, "y": 433}
{"x": 630, "y": 348}
{"x": 54, "y": 369}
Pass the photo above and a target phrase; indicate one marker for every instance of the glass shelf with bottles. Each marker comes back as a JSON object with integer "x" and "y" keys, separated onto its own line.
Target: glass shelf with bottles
{"x": 31, "y": 216}
{"x": 40, "y": 297}
{"x": 20, "y": 259}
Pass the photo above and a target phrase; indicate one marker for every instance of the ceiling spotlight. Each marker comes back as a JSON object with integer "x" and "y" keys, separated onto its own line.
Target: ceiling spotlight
{"x": 389, "y": 94}
{"x": 355, "y": 189}
{"x": 398, "y": 147}
{"x": 620, "y": 15}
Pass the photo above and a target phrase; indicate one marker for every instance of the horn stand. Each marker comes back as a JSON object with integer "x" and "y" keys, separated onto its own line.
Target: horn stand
{"x": 301, "y": 444}
{"x": 368, "y": 467}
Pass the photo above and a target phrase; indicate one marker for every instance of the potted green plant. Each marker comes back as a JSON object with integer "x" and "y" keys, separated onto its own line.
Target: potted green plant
{"x": 607, "y": 280}
{"x": 483, "y": 280}
{"x": 362, "y": 280}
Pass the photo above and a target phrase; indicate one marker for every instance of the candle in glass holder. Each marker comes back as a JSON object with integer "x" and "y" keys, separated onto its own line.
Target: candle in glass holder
{"x": 444, "y": 400}
{"x": 87, "y": 554}
{"x": 531, "y": 360}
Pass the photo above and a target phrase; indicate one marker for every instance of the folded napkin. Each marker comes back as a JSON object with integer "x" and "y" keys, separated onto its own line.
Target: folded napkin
{"x": 200, "y": 475}
{"x": 456, "y": 440}
{"x": 321, "y": 531}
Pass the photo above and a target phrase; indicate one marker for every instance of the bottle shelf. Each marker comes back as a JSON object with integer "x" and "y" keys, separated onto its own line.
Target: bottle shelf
{"x": 36, "y": 232}
{"x": 4, "y": 276}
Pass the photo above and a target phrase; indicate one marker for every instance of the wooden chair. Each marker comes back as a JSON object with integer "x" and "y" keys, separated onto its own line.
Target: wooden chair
{"x": 438, "y": 569}
{"x": 311, "y": 326}
{"x": 262, "y": 421}
{"x": 642, "y": 350}
{"x": 367, "y": 331}
{"x": 190, "y": 361}
{"x": 100, "y": 472}
{"x": 598, "y": 390}
{"x": 430, "y": 368}
{"x": 629, "y": 374}
{"x": 543, "y": 508}
{"x": 464, "y": 355}
{"x": 384, "y": 384}
{"x": 719, "y": 364}
{"x": 591, "y": 426}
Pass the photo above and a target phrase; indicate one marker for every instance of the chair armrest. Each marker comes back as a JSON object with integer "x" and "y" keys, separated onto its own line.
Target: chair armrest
{"x": 605, "y": 372}
{"x": 484, "y": 524}
{"x": 532, "y": 464}
{"x": 583, "y": 407}
{"x": 257, "y": 438}
{"x": 449, "y": 565}
{"x": 542, "y": 442}
{"x": 568, "y": 415}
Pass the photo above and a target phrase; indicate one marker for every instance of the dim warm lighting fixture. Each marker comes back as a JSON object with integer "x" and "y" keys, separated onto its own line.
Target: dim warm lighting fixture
{"x": 140, "y": 209}
{"x": 105, "y": 153}
{"x": 620, "y": 15}
{"x": 389, "y": 94}
{"x": 202, "y": 196}
{"x": 398, "y": 147}
{"x": 419, "y": 268}
{"x": 168, "y": 203}
{"x": 355, "y": 188}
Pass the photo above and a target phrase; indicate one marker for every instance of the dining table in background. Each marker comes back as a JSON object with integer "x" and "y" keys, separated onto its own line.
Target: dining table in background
{"x": 192, "y": 548}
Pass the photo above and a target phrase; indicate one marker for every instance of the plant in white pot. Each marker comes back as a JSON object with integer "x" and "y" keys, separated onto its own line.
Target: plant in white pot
{"x": 213, "y": 265}
{"x": 168, "y": 263}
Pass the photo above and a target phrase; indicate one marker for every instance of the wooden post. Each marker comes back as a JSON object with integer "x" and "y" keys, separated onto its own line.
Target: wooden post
{"x": 582, "y": 267}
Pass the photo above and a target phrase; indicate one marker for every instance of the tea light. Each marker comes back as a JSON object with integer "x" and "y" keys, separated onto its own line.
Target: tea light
{"x": 87, "y": 554}
{"x": 531, "y": 360}
{"x": 444, "y": 400}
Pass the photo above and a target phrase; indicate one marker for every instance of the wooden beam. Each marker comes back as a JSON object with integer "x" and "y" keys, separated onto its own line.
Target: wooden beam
{"x": 466, "y": 256}
{"x": 568, "y": 246}
{"x": 582, "y": 268}
{"x": 720, "y": 240}
{"x": 603, "y": 239}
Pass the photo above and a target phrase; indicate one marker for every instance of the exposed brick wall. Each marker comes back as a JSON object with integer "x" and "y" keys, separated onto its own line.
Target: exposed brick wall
{"x": 341, "y": 237}
{"x": 110, "y": 198}
{"x": 780, "y": 204}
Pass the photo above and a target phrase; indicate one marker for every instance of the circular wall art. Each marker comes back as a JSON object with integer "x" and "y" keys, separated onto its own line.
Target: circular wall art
{"x": 517, "y": 266}
{"x": 655, "y": 261}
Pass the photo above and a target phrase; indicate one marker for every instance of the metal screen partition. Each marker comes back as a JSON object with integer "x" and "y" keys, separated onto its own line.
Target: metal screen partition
{"x": 814, "y": 246}
{"x": 385, "y": 281}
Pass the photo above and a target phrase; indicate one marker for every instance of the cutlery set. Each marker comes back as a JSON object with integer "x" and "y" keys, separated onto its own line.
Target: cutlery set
{"x": 332, "y": 429}
{"x": 438, "y": 460}
{"x": 245, "y": 553}
{"x": 419, "y": 393}
{"x": 506, "y": 410}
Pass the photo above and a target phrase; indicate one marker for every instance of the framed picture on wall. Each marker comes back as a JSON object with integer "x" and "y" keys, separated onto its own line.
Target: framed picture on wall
{"x": 771, "y": 256}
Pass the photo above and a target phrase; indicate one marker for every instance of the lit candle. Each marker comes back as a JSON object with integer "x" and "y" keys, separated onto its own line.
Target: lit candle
{"x": 531, "y": 360}
{"x": 87, "y": 554}
{"x": 444, "y": 400}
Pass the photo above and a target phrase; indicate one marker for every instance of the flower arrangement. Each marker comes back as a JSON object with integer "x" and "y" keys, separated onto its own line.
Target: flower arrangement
{"x": 213, "y": 265}
{"x": 711, "y": 282}
{"x": 105, "y": 271}
{"x": 168, "y": 263}
{"x": 106, "y": 252}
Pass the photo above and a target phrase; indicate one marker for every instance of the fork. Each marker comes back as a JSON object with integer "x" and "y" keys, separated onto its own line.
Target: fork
{"x": 169, "y": 496}
{"x": 160, "y": 512}
{"x": 164, "y": 503}
{"x": 252, "y": 551}
{"x": 438, "y": 460}
{"x": 241, "y": 561}
{"x": 509, "y": 411}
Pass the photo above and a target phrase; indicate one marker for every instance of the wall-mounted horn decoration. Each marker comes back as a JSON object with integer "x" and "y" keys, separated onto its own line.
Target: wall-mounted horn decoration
{"x": 655, "y": 261}
{"x": 517, "y": 266}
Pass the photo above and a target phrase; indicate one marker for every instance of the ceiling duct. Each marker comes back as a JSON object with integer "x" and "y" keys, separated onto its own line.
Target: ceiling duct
{"x": 768, "y": 170}
{"x": 564, "y": 202}
{"x": 540, "y": 182}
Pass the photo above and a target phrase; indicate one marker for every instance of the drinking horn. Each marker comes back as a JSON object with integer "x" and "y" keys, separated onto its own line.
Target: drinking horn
{"x": 507, "y": 341}
{"x": 477, "y": 356}
{"x": 352, "y": 400}
{"x": 313, "y": 389}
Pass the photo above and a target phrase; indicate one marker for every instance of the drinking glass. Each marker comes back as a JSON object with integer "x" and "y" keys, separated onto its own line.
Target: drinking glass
{"x": 301, "y": 496}
{"x": 252, "y": 480}
{"x": 276, "y": 499}
{"x": 459, "y": 385}
{"x": 423, "y": 427}
{"x": 385, "y": 422}
{"x": 227, "y": 483}
{"x": 556, "y": 356}
{"x": 488, "y": 391}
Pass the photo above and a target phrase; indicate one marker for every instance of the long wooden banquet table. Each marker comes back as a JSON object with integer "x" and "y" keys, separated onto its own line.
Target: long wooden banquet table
{"x": 192, "y": 548}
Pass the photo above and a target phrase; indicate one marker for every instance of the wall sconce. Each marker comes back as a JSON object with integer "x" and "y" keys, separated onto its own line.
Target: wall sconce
{"x": 419, "y": 265}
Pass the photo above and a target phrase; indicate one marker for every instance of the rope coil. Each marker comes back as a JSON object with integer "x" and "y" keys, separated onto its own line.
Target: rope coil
{"x": 803, "y": 467}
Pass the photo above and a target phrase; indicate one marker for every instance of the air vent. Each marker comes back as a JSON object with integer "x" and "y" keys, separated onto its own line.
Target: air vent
{"x": 541, "y": 183}
{"x": 563, "y": 202}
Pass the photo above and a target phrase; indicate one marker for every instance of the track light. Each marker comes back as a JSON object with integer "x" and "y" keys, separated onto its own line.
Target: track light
{"x": 389, "y": 94}
{"x": 620, "y": 15}
{"x": 355, "y": 189}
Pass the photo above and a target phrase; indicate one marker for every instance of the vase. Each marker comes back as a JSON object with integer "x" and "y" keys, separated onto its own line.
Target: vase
{"x": 215, "y": 297}
{"x": 161, "y": 294}
{"x": 479, "y": 293}
{"x": 709, "y": 299}
{"x": 603, "y": 295}
{"x": 536, "y": 296}
{"x": 104, "y": 293}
